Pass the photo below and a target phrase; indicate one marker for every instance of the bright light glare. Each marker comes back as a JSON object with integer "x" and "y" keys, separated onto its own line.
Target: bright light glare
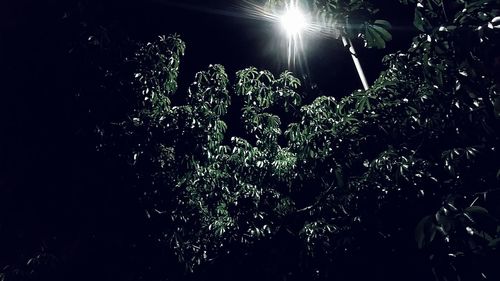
{"x": 293, "y": 21}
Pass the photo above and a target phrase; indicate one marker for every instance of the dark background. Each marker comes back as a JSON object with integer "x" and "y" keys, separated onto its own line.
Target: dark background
{"x": 57, "y": 195}
{"x": 216, "y": 31}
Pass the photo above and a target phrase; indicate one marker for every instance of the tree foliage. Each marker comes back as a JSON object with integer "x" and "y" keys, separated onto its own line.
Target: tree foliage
{"x": 350, "y": 19}
{"x": 408, "y": 167}
{"x": 423, "y": 140}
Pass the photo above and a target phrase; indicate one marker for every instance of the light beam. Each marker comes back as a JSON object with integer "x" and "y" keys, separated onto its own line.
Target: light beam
{"x": 293, "y": 20}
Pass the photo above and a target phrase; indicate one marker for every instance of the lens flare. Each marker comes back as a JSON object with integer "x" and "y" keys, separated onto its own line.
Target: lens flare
{"x": 293, "y": 21}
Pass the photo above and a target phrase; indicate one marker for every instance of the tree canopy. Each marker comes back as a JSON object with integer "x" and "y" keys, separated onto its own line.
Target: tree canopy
{"x": 245, "y": 180}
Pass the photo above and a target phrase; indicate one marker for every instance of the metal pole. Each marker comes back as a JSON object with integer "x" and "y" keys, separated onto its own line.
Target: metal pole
{"x": 361, "y": 74}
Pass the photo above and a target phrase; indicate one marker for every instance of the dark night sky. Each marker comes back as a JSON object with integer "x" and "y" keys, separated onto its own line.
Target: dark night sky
{"x": 238, "y": 42}
{"x": 215, "y": 33}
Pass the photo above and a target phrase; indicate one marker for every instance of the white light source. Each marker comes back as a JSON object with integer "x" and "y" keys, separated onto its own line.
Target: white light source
{"x": 293, "y": 20}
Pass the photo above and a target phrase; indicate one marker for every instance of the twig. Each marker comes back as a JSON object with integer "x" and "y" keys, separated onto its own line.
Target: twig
{"x": 321, "y": 197}
{"x": 444, "y": 10}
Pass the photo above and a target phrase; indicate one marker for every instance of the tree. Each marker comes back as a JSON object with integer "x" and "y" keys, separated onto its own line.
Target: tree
{"x": 331, "y": 189}
{"x": 339, "y": 176}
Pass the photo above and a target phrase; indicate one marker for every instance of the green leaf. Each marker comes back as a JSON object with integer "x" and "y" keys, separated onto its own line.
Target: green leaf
{"x": 383, "y": 23}
{"x": 418, "y": 21}
{"x": 383, "y": 33}
{"x": 476, "y": 210}
{"x": 425, "y": 231}
{"x": 480, "y": 217}
{"x": 375, "y": 39}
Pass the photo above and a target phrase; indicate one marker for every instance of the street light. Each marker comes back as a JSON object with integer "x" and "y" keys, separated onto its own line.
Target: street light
{"x": 294, "y": 22}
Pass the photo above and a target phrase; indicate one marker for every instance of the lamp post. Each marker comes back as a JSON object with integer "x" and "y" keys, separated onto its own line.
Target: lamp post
{"x": 294, "y": 22}
{"x": 347, "y": 43}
